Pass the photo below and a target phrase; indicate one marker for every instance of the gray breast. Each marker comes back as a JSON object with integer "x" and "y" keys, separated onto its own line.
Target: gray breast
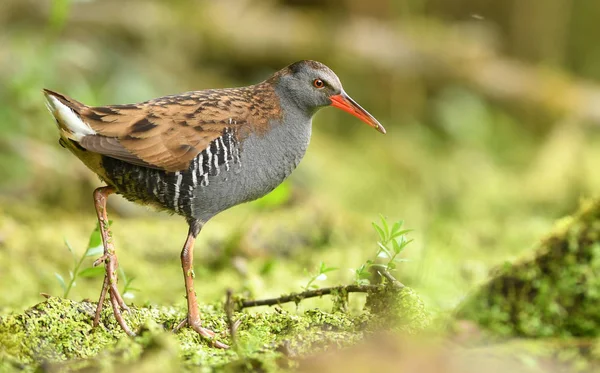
{"x": 264, "y": 163}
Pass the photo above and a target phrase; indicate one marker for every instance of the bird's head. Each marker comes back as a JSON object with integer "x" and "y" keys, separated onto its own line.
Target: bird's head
{"x": 311, "y": 85}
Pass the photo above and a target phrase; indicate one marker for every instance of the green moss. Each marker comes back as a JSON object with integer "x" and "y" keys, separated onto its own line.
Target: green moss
{"x": 556, "y": 293}
{"x": 58, "y": 333}
{"x": 398, "y": 309}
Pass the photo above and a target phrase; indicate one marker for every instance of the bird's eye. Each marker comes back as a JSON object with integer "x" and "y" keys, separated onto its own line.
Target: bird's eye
{"x": 318, "y": 83}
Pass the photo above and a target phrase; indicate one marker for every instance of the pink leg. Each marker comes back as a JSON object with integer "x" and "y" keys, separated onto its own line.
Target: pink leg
{"x": 111, "y": 264}
{"x": 193, "y": 318}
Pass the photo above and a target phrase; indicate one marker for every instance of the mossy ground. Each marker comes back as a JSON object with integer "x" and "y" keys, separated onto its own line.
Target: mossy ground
{"x": 57, "y": 334}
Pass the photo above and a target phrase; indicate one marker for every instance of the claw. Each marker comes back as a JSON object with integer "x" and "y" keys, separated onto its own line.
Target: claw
{"x": 180, "y": 325}
{"x": 205, "y": 333}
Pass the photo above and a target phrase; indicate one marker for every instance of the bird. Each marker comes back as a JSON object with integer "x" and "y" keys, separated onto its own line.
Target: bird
{"x": 196, "y": 154}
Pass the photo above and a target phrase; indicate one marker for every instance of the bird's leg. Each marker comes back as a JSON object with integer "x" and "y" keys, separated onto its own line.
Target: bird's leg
{"x": 187, "y": 260}
{"x": 110, "y": 261}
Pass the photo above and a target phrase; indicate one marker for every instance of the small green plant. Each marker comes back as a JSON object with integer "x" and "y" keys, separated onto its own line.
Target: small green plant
{"x": 319, "y": 275}
{"x": 94, "y": 249}
{"x": 127, "y": 288}
{"x": 390, "y": 245}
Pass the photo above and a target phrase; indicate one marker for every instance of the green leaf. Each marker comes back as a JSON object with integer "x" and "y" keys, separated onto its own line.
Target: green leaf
{"x": 124, "y": 276}
{"x": 391, "y": 266}
{"x": 363, "y": 281}
{"x": 322, "y": 267}
{"x": 61, "y": 281}
{"x": 397, "y": 247}
{"x": 384, "y": 249}
{"x": 69, "y": 247}
{"x": 359, "y": 269}
{"x": 401, "y": 233}
{"x": 95, "y": 251}
{"x": 405, "y": 242}
{"x": 379, "y": 231}
{"x": 95, "y": 238}
{"x": 396, "y": 227}
{"x": 364, "y": 275}
{"x": 91, "y": 272}
{"x": 385, "y": 226}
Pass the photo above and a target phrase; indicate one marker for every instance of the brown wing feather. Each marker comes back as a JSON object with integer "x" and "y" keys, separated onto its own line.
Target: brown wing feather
{"x": 168, "y": 132}
{"x": 112, "y": 147}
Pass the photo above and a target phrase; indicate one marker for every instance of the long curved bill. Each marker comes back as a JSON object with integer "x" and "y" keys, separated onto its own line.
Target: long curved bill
{"x": 346, "y": 103}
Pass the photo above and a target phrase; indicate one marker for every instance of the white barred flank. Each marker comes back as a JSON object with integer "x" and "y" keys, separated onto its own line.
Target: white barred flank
{"x": 217, "y": 153}
{"x": 177, "y": 186}
{"x": 225, "y": 152}
{"x": 194, "y": 169}
{"x": 221, "y": 151}
{"x": 175, "y": 191}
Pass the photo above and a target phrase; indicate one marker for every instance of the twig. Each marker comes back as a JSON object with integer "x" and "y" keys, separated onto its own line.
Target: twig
{"x": 297, "y": 297}
{"x": 390, "y": 278}
{"x": 229, "y": 314}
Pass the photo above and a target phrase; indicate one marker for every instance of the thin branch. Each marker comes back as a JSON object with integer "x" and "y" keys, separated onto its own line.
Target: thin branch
{"x": 390, "y": 278}
{"x": 297, "y": 297}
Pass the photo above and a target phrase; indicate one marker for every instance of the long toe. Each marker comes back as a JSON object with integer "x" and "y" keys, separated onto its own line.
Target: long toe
{"x": 206, "y": 333}
{"x": 114, "y": 291}
{"x": 210, "y": 335}
{"x": 101, "y": 302}
{"x": 119, "y": 316}
{"x": 100, "y": 260}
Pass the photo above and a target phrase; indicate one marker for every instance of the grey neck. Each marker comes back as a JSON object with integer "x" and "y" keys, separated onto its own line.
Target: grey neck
{"x": 287, "y": 140}
{"x": 268, "y": 159}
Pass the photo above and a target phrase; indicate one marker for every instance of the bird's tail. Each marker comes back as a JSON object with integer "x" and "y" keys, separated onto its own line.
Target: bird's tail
{"x": 66, "y": 111}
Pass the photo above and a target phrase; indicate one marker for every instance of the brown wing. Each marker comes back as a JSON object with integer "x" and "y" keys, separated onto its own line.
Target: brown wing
{"x": 168, "y": 132}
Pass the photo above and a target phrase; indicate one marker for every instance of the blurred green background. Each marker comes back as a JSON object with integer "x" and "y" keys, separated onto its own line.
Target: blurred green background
{"x": 492, "y": 110}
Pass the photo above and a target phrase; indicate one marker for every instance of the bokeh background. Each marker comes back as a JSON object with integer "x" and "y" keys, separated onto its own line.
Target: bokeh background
{"x": 492, "y": 110}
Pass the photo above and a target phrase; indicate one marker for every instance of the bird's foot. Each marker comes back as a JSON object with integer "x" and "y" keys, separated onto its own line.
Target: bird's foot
{"x": 110, "y": 286}
{"x": 204, "y": 332}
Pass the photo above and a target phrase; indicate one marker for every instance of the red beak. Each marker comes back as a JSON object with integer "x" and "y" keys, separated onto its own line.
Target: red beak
{"x": 346, "y": 103}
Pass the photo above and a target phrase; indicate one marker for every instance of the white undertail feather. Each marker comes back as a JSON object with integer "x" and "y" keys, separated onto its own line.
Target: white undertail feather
{"x": 75, "y": 127}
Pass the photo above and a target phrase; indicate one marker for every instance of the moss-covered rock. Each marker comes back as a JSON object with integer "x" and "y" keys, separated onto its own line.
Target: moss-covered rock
{"x": 400, "y": 309}
{"x": 555, "y": 293}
